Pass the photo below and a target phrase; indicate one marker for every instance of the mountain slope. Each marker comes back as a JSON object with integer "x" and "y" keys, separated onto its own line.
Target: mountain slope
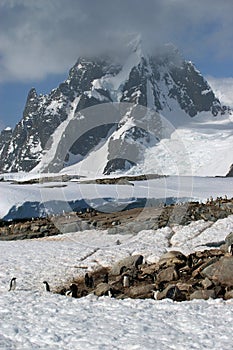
{"x": 68, "y": 126}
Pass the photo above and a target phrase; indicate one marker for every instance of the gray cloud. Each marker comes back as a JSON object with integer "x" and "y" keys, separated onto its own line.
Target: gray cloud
{"x": 44, "y": 37}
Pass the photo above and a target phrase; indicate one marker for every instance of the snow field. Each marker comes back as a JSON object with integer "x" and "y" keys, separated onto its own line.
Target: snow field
{"x": 46, "y": 321}
{"x": 31, "y": 318}
{"x": 34, "y": 319}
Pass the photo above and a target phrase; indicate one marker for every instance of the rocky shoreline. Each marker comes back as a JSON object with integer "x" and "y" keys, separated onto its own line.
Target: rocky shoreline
{"x": 128, "y": 221}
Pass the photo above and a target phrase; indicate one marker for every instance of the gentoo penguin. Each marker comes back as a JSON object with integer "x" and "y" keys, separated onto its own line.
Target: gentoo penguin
{"x": 155, "y": 294}
{"x": 87, "y": 280}
{"x": 47, "y": 288}
{"x": 73, "y": 292}
{"x": 68, "y": 293}
{"x": 12, "y": 284}
{"x": 126, "y": 281}
{"x": 110, "y": 293}
{"x": 105, "y": 279}
{"x": 230, "y": 249}
{"x": 91, "y": 282}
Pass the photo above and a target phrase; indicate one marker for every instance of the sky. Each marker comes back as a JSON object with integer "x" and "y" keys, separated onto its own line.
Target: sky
{"x": 41, "y": 40}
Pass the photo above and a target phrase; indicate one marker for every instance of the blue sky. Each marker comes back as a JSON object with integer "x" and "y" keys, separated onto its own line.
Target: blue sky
{"x": 41, "y": 40}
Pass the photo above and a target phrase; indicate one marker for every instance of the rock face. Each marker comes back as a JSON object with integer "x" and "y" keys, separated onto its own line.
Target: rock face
{"x": 157, "y": 82}
{"x": 230, "y": 173}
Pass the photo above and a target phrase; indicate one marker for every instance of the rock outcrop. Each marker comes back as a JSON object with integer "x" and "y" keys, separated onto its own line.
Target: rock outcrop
{"x": 200, "y": 275}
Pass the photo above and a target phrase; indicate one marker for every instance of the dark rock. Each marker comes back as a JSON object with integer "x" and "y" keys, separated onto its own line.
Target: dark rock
{"x": 229, "y": 239}
{"x": 144, "y": 291}
{"x": 126, "y": 264}
{"x": 206, "y": 283}
{"x": 228, "y": 295}
{"x": 173, "y": 258}
{"x": 202, "y": 265}
{"x": 171, "y": 292}
{"x": 149, "y": 269}
{"x": 168, "y": 274}
{"x": 220, "y": 272}
{"x": 203, "y": 294}
{"x": 102, "y": 289}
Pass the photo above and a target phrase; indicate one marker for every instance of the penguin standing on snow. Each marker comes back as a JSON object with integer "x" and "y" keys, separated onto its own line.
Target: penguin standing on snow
{"x": 155, "y": 294}
{"x": 12, "y": 284}
{"x": 46, "y": 285}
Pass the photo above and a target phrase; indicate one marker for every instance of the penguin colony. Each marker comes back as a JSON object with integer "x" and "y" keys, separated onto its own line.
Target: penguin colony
{"x": 102, "y": 283}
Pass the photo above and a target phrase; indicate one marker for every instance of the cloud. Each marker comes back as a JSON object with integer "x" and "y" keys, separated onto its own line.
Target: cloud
{"x": 43, "y": 37}
{"x": 223, "y": 89}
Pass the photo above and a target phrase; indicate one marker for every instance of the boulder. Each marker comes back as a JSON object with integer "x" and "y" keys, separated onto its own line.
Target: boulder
{"x": 144, "y": 291}
{"x": 168, "y": 274}
{"x": 186, "y": 287}
{"x": 203, "y": 265}
{"x": 206, "y": 283}
{"x": 149, "y": 269}
{"x": 173, "y": 258}
{"x": 228, "y": 294}
{"x": 229, "y": 239}
{"x": 203, "y": 294}
{"x": 126, "y": 264}
{"x": 220, "y": 272}
{"x": 35, "y": 228}
{"x": 102, "y": 289}
{"x": 171, "y": 292}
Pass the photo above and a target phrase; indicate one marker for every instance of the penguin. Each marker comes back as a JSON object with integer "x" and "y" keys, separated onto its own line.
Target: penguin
{"x": 91, "y": 282}
{"x": 105, "y": 279}
{"x": 46, "y": 285}
{"x": 68, "y": 293}
{"x": 87, "y": 280}
{"x": 126, "y": 281}
{"x": 110, "y": 293}
{"x": 155, "y": 294}
{"x": 74, "y": 290}
{"x": 230, "y": 249}
{"x": 12, "y": 284}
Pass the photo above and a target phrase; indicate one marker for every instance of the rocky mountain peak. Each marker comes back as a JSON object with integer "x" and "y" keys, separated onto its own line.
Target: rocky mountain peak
{"x": 163, "y": 82}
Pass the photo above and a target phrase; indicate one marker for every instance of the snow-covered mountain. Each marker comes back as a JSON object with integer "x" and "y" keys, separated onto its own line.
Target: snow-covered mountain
{"x": 106, "y": 116}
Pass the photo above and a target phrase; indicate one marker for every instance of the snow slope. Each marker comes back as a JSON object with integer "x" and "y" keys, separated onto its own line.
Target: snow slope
{"x": 197, "y": 146}
{"x": 31, "y": 318}
{"x": 200, "y": 148}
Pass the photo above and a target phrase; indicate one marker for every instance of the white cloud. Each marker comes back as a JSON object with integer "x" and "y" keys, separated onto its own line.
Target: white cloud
{"x": 223, "y": 89}
{"x": 42, "y": 37}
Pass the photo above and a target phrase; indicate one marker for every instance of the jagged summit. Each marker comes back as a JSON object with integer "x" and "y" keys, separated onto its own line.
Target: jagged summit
{"x": 163, "y": 82}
